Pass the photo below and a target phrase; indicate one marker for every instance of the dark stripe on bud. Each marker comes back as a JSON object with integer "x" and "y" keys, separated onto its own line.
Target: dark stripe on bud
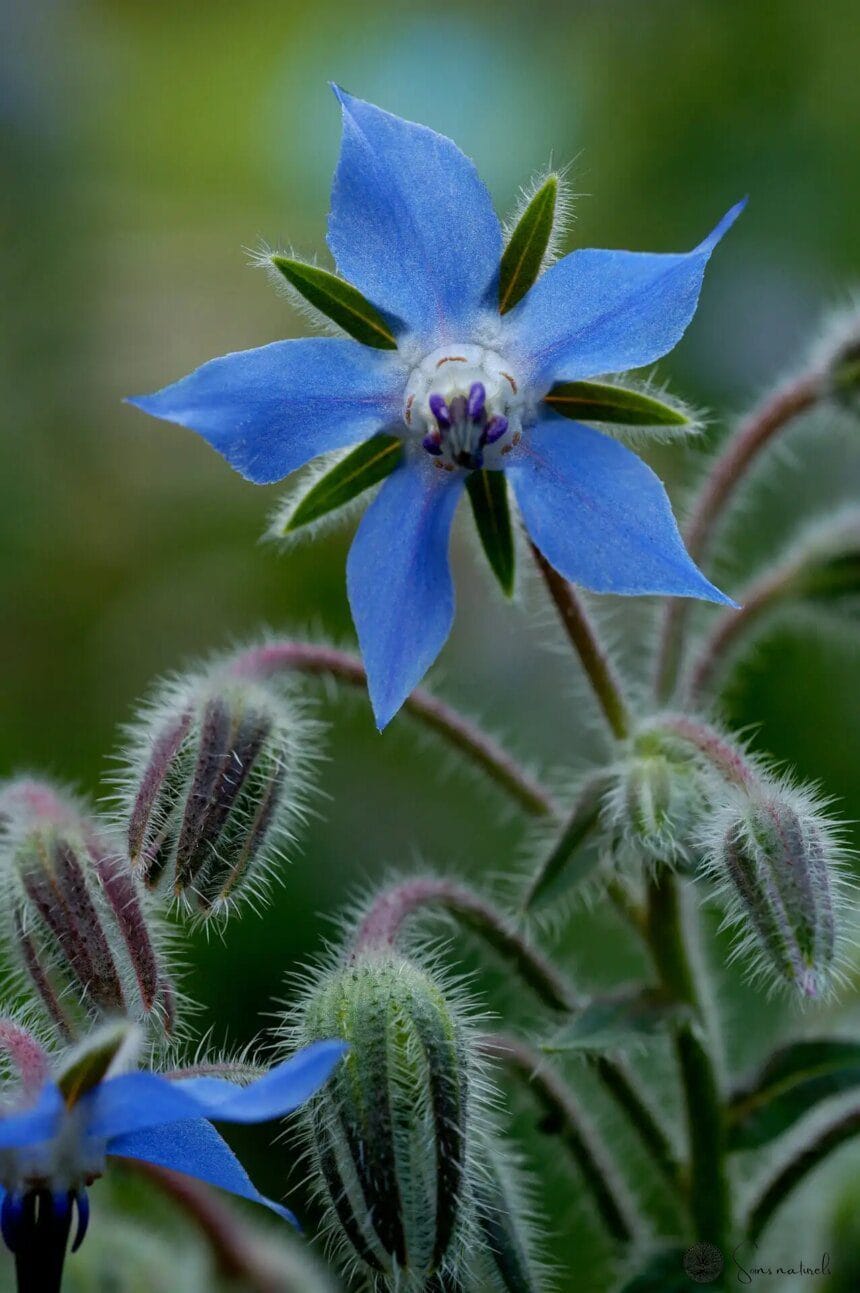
{"x": 389, "y": 1132}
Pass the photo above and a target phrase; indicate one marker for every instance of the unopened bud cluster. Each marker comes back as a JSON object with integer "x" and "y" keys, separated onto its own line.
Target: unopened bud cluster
{"x": 778, "y": 867}
{"x": 212, "y": 785}
{"x": 72, "y": 917}
{"x": 392, "y": 1137}
{"x": 654, "y": 801}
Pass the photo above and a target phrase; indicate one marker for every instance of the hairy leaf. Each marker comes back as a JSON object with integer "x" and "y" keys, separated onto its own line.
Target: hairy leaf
{"x": 794, "y": 1081}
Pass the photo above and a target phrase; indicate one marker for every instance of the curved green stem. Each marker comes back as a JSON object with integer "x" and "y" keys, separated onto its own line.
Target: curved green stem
{"x": 460, "y": 732}
{"x": 708, "y": 1183}
{"x": 564, "y": 1118}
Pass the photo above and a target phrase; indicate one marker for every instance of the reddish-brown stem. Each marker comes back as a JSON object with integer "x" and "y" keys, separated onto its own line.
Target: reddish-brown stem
{"x": 453, "y": 727}
{"x": 721, "y": 754}
{"x": 26, "y": 1054}
{"x": 598, "y": 668}
{"x": 756, "y": 431}
{"x": 729, "y": 628}
{"x": 234, "y": 1256}
{"x": 384, "y": 921}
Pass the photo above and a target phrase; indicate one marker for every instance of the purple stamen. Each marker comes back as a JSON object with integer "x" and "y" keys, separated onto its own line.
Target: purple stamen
{"x": 477, "y": 398}
{"x": 432, "y": 442}
{"x": 440, "y": 411}
{"x": 459, "y": 407}
{"x": 494, "y": 430}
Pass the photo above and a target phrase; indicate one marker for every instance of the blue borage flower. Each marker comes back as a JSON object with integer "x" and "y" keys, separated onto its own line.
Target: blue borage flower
{"x": 51, "y": 1151}
{"x": 413, "y": 228}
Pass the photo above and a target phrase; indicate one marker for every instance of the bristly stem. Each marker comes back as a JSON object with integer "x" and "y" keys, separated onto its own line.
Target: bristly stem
{"x": 804, "y": 1159}
{"x": 618, "y": 1083}
{"x": 460, "y": 732}
{"x": 708, "y": 1184}
{"x": 234, "y": 1256}
{"x": 602, "y": 676}
{"x": 756, "y": 431}
{"x": 383, "y": 923}
{"x": 563, "y": 1118}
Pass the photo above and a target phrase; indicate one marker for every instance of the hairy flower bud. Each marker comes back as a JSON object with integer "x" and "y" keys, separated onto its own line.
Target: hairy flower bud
{"x": 655, "y": 799}
{"x": 778, "y": 866}
{"x": 72, "y": 916}
{"x": 213, "y": 783}
{"x": 390, "y": 1135}
{"x": 507, "y": 1258}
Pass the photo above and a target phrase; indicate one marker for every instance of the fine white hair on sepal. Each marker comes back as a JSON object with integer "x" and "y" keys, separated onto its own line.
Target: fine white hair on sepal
{"x": 564, "y": 209}
{"x": 697, "y": 421}
{"x": 277, "y": 531}
{"x": 262, "y": 257}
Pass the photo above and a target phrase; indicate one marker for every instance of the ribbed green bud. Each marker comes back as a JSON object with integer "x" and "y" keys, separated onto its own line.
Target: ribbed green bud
{"x": 507, "y": 1258}
{"x": 390, "y": 1134}
{"x": 655, "y": 800}
{"x": 72, "y": 916}
{"x": 213, "y": 782}
{"x": 778, "y": 865}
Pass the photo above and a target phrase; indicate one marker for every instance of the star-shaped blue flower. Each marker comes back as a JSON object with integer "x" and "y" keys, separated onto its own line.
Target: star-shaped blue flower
{"x": 413, "y": 228}
{"x": 50, "y": 1151}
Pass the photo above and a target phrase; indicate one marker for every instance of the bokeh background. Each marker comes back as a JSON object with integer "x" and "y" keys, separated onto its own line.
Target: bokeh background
{"x": 145, "y": 146}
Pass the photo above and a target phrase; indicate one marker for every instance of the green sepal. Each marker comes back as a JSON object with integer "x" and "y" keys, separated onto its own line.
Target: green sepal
{"x": 569, "y": 862}
{"x": 792, "y": 1083}
{"x": 339, "y": 301}
{"x": 488, "y": 494}
{"x": 367, "y": 464}
{"x": 91, "y": 1060}
{"x": 605, "y": 402}
{"x": 524, "y": 254}
{"x": 610, "y": 1023}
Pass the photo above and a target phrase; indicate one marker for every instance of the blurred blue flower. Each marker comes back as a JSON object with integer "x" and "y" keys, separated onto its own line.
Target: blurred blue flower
{"x": 51, "y": 1151}
{"x": 413, "y": 228}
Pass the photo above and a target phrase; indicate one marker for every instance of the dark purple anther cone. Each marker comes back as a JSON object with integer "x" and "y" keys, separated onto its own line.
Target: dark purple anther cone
{"x": 494, "y": 430}
{"x": 36, "y": 1229}
{"x": 439, "y": 409}
{"x": 477, "y": 399}
{"x": 459, "y": 409}
{"x": 433, "y": 443}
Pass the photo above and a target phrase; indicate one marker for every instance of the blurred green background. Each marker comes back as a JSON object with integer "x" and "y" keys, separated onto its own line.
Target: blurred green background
{"x": 145, "y": 147}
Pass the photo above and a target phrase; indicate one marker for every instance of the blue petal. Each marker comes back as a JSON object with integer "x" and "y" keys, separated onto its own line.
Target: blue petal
{"x": 195, "y": 1148}
{"x": 600, "y": 515}
{"x": 137, "y": 1101}
{"x": 33, "y": 1125}
{"x": 399, "y": 580}
{"x": 604, "y": 311}
{"x": 411, "y": 224}
{"x": 270, "y": 410}
{"x": 277, "y": 1093}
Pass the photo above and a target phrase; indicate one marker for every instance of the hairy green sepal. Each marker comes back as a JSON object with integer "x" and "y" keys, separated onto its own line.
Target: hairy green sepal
{"x": 605, "y": 402}
{"x": 488, "y": 494}
{"x": 524, "y": 254}
{"x": 339, "y": 301}
{"x": 793, "y": 1082}
{"x": 367, "y": 464}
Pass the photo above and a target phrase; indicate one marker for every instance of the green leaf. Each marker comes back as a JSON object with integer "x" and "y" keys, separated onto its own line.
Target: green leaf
{"x": 488, "y": 494}
{"x": 90, "y": 1062}
{"x": 794, "y": 1080}
{"x": 339, "y": 300}
{"x": 664, "y": 1271}
{"x": 367, "y": 464}
{"x": 604, "y": 402}
{"x": 608, "y": 1023}
{"x": 568, "y": 863}
{"x": 523, "y": 256}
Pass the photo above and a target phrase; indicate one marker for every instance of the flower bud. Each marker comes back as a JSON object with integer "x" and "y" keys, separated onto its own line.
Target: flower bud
{"x": 390, "y": 1134}
{"x": 655, "y": 800}
{"x": 72, "y": 915}
{"x": 213, "y": 784}
{"x": 778, "y": 864}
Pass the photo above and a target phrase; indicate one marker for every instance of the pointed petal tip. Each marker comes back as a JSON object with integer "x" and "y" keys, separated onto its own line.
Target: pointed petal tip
{"x": 723, "y": 226}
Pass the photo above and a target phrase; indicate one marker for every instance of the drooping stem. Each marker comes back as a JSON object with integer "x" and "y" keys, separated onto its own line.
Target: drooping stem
{"x": 234, "y": 1256}
{"x": 383, "y": 923}
{"x": 564, "y": 1118}
{"x": 708, "y": 1185}
{"x": 803, "y": 1161}
{"x": 759, "y": 429}
{"x": 723, "y": 757}
{"x": 460, "y": 732}
{"x": 598, "y": 668}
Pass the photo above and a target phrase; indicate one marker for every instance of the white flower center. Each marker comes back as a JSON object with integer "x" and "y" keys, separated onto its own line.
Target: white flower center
{"x": 466, "y": 404}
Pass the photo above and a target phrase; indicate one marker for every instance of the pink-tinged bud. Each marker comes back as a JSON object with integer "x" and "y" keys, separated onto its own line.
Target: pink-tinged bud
{"x": 22, "y": 1056}
{"x": 778, "y": 864}
{"x": 73, "y": 916}
{"x": 213, "y": 784}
